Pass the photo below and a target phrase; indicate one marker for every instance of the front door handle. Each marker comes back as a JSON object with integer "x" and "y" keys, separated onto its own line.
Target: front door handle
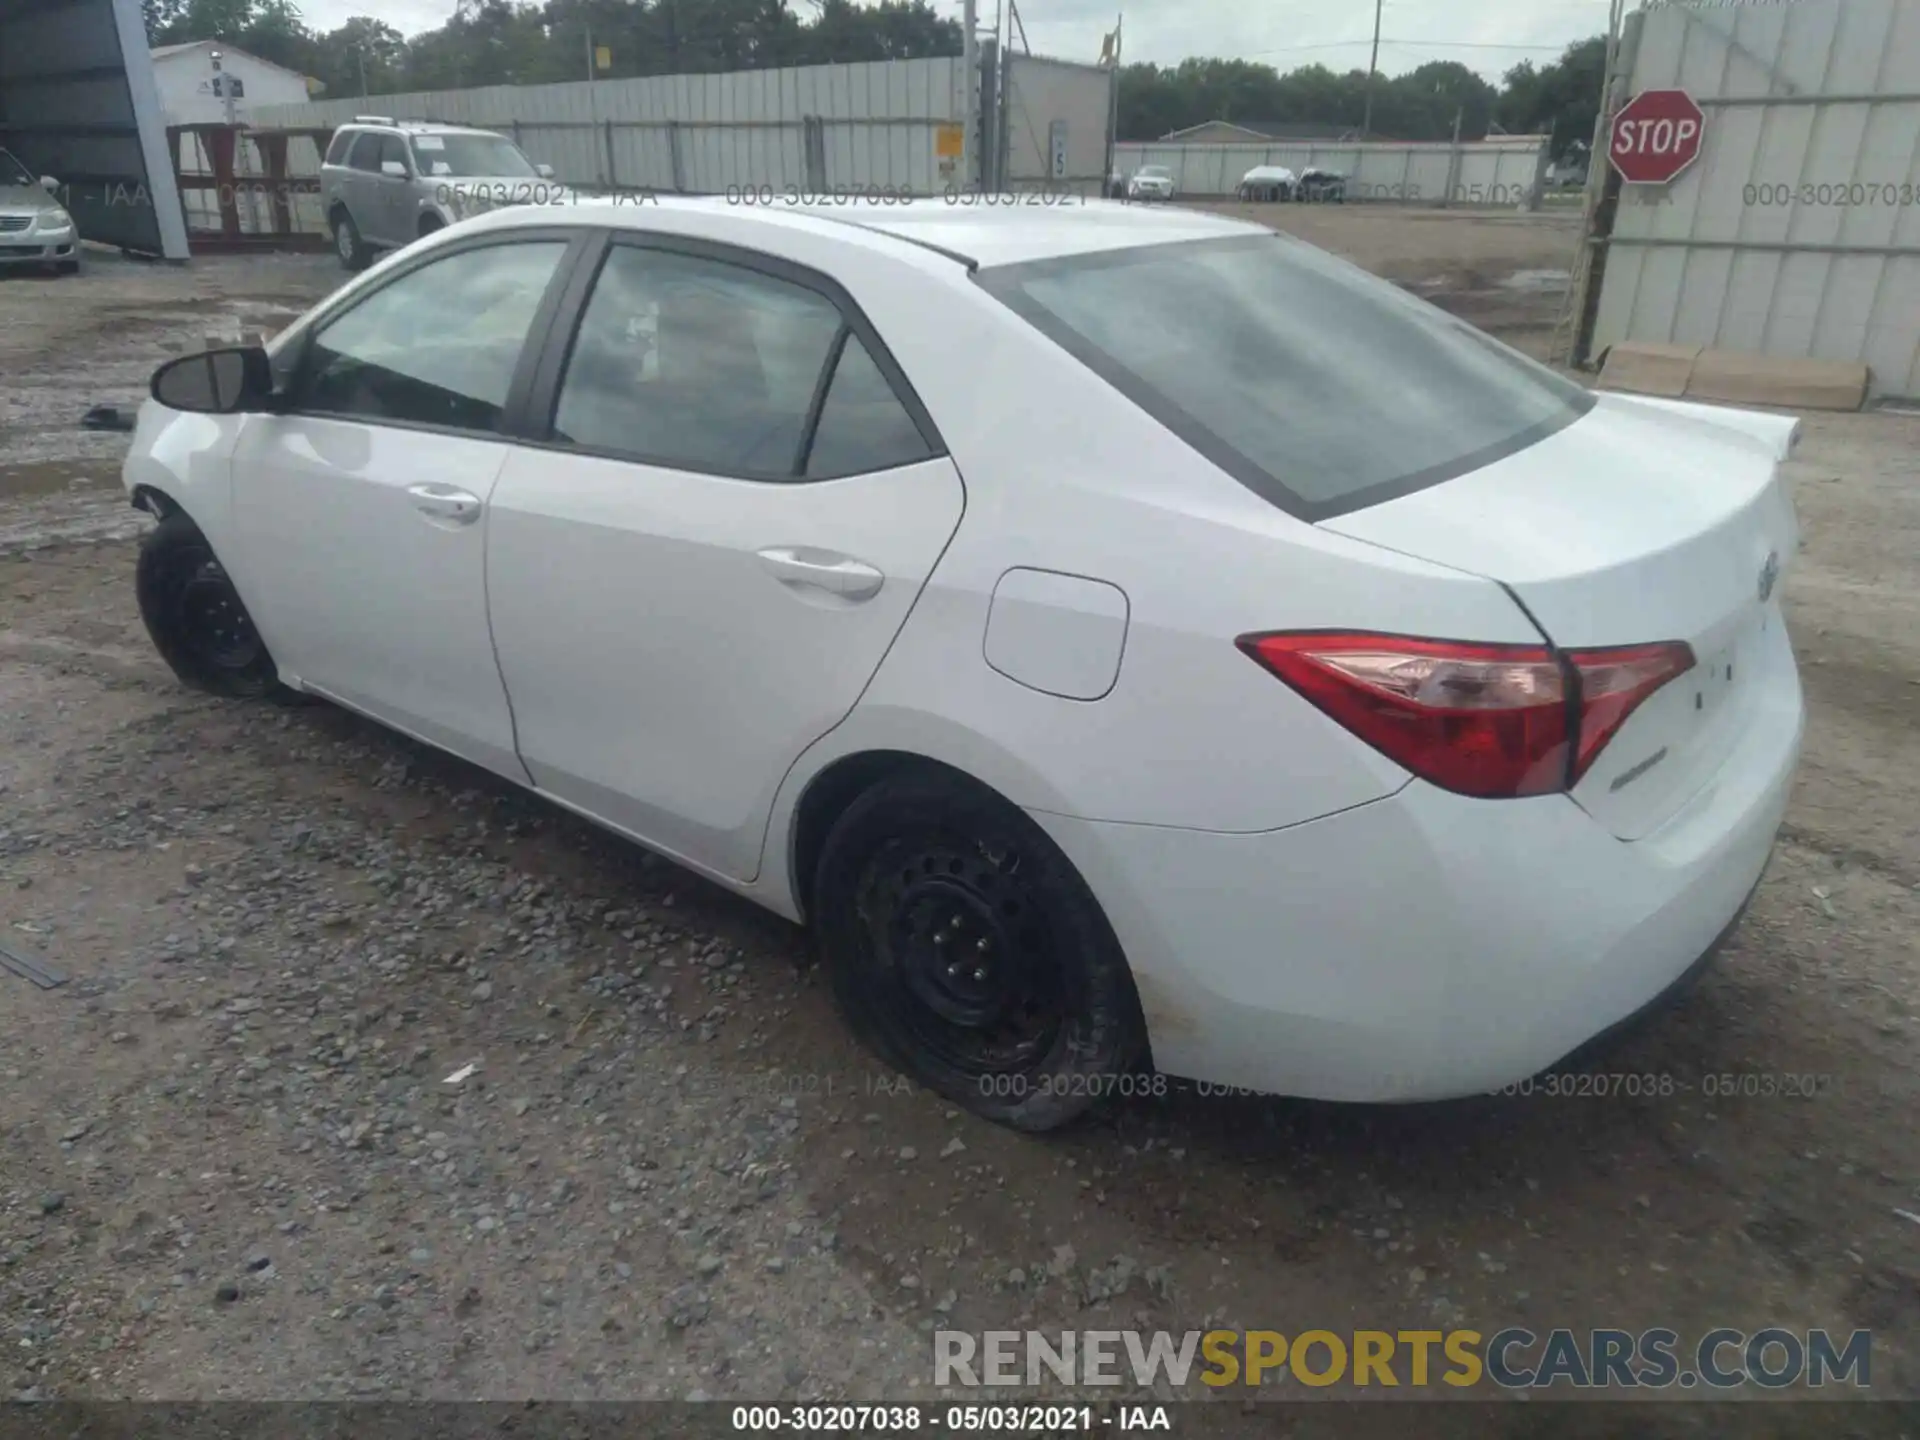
{"x": 827, "y": 570}
{"x": 444, "y": 502}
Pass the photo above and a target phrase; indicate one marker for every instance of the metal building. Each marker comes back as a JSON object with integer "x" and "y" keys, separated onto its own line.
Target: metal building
{"x": 891, "y": 125}
{"x": 78, "y": 103}
{"x": 1796, "y": 233}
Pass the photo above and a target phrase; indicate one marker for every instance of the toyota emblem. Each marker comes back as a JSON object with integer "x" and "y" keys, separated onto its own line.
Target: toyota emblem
{"x": 1769, "y": 576}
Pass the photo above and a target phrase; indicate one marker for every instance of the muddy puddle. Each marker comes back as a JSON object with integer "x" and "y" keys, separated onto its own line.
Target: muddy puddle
{"x": 39, "y": 479}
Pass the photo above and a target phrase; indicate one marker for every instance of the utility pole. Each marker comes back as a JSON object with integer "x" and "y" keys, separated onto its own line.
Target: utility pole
{"x": 1373, "y": 69}
{"x": 970, "y": 70}
{"x": 223, "y": 87}
{"x": 593, "y": 109}
{"x": 1113, "y": 113}
{"x": 360, "y": 54}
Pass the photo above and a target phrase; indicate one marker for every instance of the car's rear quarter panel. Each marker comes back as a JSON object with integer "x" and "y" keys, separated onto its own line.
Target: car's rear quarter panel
{"x": 1065, "y": 474}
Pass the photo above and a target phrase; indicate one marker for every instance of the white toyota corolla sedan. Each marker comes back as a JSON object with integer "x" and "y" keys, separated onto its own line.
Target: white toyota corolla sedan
{"x": 1126, "y": 637}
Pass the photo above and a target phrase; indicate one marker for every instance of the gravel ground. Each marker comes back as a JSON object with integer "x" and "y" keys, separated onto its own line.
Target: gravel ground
{"x": 233, "y": 1163}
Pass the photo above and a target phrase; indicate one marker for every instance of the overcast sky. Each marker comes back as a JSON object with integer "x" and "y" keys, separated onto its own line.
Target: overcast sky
{"x": 1488, "y": 35}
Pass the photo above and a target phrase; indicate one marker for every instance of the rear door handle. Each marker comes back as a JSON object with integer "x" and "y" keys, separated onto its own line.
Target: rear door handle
{"x": 444, "y": 502}
{"x": 827, "y": 570}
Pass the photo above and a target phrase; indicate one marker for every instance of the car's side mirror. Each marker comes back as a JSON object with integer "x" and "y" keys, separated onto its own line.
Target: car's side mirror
{"x": 545, "y": 171}
{"x": 394, "y": 168}
{"x": 50, "y": 185}
{"x": 216, "y": 382}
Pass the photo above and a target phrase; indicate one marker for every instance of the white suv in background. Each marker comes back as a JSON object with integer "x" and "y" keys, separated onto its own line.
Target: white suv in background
{"x": 387, "y": 182}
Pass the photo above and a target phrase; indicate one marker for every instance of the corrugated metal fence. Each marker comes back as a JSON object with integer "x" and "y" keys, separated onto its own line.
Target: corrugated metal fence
{"x": 1509, "y": 170}
{"x": 810, "y": 128}
{"x": 1797, "y": 232}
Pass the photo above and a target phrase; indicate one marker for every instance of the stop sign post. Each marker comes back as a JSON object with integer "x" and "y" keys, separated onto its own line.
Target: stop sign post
{"x": 1656, "y": 135}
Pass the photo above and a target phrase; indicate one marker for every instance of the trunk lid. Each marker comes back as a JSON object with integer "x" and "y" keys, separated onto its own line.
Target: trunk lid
{"x": 1645, "y": 521}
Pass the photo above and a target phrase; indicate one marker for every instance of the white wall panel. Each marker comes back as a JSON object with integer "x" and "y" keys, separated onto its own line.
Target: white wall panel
{"x": 1797, "y": 232}
{"x": 1040, "y": 92}
{"x": 733, "y": 131}
{"x": 1493, "y": 172}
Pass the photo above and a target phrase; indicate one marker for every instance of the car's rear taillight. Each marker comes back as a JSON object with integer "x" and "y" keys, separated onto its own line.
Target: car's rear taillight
{"x": 1491, "y": 721}
{"x": 1612, "y": 685}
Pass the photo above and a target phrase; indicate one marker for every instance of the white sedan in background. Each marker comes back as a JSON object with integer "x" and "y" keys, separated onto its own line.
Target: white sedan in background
{"x": 1150, "y": 182}
{"x": 1123, "y": 638}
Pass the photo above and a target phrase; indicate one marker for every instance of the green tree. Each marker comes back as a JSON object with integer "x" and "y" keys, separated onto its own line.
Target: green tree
{"x": 1419, "y": 105}
{"x": 1561, "y": 99}
{"x": 160, "y": 17}
{"x": 341, "y": 54}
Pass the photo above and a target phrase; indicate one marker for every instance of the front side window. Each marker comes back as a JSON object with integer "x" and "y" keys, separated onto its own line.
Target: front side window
{"x": 695, "y": 363}
{"x": 1322, "y": 388}
{"x": 438, "y": 346}
{"x": 342, "y": 143}
{"x": 471, "y": 157}
{"x": 393, "y": 148}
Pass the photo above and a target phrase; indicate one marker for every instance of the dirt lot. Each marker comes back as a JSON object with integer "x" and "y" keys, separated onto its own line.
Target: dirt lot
{"x": 231, "y": 1164}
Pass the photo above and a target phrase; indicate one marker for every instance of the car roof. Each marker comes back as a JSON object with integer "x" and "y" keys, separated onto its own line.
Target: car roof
{"x": 979, "y": 231}
{"x": 416, "y": 127}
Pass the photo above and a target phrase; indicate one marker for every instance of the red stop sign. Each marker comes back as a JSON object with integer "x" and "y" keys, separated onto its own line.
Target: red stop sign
{"x": 1656, "y": 135}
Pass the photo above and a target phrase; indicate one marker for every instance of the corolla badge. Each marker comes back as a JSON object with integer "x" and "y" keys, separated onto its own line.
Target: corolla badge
{"x": 1769, "y": 576}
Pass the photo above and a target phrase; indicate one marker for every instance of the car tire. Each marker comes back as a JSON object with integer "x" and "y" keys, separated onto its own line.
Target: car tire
{"x": 351, "y": 249}
{"x": 68, "y": 267}
{"x": 925, "y": 869}
{"x": 196, "y": 618}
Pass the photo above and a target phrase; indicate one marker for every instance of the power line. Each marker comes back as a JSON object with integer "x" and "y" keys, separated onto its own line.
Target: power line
{"x": 1424, "y": 44}
{"x": 1473, "y": 45}
{"x": 1328, "y": 45}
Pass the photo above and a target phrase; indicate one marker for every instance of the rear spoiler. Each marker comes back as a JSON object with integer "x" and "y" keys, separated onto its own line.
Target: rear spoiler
{"x": 1779, "y": 433}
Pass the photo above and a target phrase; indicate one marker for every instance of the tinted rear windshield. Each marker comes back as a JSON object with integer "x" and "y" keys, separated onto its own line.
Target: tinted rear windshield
{"x": 1323, "y": 388}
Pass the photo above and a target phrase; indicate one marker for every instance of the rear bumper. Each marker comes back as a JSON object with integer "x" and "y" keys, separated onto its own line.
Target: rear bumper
{"x": 1427, "y": 946}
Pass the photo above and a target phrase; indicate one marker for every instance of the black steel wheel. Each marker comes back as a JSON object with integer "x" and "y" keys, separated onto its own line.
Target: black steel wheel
{"x": 196, "y": 618}
{"x": 965, "y": 949}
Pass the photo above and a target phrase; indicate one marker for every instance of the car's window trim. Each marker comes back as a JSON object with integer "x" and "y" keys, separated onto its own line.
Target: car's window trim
{"x": 513, "y": 414}
{"x": 822, "y": 387}
{"x": 1003, "y": 283}
{"x": 544, "y": 397}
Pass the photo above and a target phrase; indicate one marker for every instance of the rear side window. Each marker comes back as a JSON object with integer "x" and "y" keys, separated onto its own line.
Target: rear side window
{"x": 863, "y": 426}
{"x": 1321, "y": 387}
{"x": 690, "y": 362}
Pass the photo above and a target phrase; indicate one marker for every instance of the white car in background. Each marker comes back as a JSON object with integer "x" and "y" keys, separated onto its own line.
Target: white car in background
{"x": 1313, "y": 695}
{"x": 1268, "y": 182}
{"x": 35, "y": 228}
{"x": 1150, "y": 182}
